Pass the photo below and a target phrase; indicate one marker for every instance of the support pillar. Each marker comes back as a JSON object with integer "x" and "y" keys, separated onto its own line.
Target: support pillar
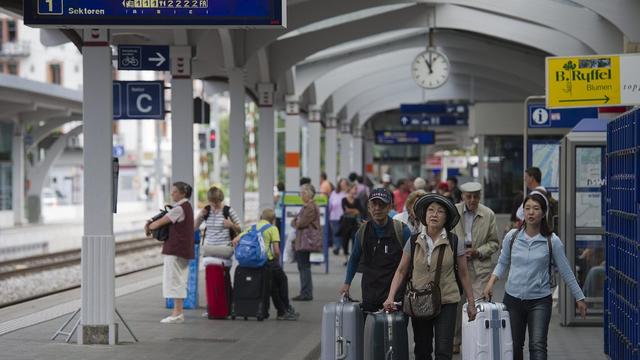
{"x": 314, "y": 132}
{"x": 181, "y": 117}
{"x": 292, "y": 145}
{"x": 357, "y": 165}
{"x": 346, "y": 143}
{"x": 266, "y": 146}
{"x": 368, "y": 157}
{"x": 18, "y": 190}
{"x": 237, "y": 161}
{"x": 97, "y": 325}
{"x": 331, "y": 149}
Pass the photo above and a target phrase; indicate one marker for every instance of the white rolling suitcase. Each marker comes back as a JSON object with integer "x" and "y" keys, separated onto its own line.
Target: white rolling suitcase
{"x": 488, "y": 337}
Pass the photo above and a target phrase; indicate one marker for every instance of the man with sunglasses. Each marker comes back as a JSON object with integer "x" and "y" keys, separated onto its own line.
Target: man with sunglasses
{"x": 477, "y": 228}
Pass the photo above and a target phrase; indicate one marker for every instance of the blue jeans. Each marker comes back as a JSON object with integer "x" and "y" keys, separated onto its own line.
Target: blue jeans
{"x": 534, "y": 314}
{"x": 304, "y": 268}
{"x": 337, "y": 240}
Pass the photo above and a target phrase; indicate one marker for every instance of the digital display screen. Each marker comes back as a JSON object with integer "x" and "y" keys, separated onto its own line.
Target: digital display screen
{"x": 405, "y": 137}
{"x": 158, "y": 13}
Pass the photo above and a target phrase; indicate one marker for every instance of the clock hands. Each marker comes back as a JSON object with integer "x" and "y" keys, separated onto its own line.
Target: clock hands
{"x": 428, "y": 63}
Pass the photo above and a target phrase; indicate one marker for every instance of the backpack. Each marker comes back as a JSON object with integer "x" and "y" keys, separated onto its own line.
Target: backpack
{"x": 251, "y": 251}
{"x": 398, "y": 227}
{"x": 553, "y": 282}
{"x": 227, "y": 215}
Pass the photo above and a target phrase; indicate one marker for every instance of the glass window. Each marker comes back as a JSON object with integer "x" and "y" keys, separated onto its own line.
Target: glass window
{"x": 55, "y": 73}
{"x": 12, "y": 31}
{"x": 6, "y": 131}
{"x": 12, "y": 68}
{"x": 504, "y": 174}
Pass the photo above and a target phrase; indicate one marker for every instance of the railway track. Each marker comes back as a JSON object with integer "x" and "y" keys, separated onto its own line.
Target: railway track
{"x": 38, "y": 263}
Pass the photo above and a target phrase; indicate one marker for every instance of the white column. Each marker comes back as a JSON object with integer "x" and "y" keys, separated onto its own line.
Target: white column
{"x": 182, "y": 130}
{"x": 331, "y": 149}
{"x": 357, "y": 165}
{"x": 98, "y": 247}
{"x": 237, "y": 162}
{"x": 304, "y": 146}
{"x": 368, "y": 157}
{"x": 18, "y": 155}
{"x": 266, "y": 146}
{"x": 292, "y": 145}
{"x": 159, "y": 172}
{"x": 314, "y": 132}
{"x": 346, "y": 143}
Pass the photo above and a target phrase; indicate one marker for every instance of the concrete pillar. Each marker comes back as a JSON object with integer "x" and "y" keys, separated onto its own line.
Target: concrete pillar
{"x": 182, "y": 130}
{"x": 346, "y": 148}
{"x": 292, "y": 145}
{"x": 158, "y": 168}
{"x": 357, "y": 165}
{"x": 237, "y": 162}
{"x": 304, "y": 145}
{"x": 331, "y": 149}
{"x": 266, "y": 146}
{"x": 18, "y": 190}
{"x": 368, "y": 157}
{"x": 314, "y": 132}
{"x": 97, "y": 324}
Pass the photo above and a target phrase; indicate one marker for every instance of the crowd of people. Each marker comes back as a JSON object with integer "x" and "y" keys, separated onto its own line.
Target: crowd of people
{"x": 400, "y": 236}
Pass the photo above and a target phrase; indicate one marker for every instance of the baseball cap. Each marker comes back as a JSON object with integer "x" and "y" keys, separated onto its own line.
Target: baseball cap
{"x": 382, "y": 194}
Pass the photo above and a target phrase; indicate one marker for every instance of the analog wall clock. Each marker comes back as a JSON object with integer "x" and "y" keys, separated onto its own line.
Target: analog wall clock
{"x": 430, "y": 69}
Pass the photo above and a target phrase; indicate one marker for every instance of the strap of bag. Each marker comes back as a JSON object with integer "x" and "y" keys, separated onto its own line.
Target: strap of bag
{"x": 413, "y": 239}
{"x": 439, "y": 265}
{"x": 398, "y": 229}
{"x": 264, "y": 228}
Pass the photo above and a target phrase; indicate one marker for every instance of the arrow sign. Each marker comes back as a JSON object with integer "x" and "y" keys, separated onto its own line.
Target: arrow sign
{"x": 159, "y": 59}
{"x": 605, "y": 99}
{"x": 143, "y": 57}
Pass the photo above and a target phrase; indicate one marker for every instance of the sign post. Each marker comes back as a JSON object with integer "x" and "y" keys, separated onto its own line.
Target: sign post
{"x": 597, "y": 80}
{"x": 138, "y": 100}
{"x": 143, "y": 57}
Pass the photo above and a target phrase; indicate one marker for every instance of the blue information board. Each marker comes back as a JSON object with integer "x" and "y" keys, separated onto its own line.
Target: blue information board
{"x": 541, "y": 117}
{"x": 138, "y": 100}
{"x": 143, "y": 57}
{"x": 156, "y": 13}
{"x": 434, "y": 114}
{"x": 434, "y": 120}
{"x": 405, "y": 137}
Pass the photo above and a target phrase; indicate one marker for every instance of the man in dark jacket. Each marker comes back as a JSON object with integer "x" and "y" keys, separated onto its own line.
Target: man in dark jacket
{"x": 377, "y": 251}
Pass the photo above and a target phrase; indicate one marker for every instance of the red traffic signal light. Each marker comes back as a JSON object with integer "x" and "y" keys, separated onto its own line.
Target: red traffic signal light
{"x": 212, "y": 139}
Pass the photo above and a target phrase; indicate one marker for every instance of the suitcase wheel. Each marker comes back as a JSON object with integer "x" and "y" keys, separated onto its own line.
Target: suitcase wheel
{"x": 504, "y": 324}
{"x": 233, "y": 317}
{"x": 260, "y": 318}
{"x": 245, "y": 318}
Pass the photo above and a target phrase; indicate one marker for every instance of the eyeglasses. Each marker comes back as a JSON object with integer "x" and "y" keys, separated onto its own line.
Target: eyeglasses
{"x": 438, "y": 212}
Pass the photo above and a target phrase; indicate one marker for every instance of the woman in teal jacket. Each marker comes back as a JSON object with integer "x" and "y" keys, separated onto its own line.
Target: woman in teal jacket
{"x": 528, "y": 289}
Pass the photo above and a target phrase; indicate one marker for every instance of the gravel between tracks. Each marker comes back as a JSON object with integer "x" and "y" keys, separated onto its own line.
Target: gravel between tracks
{"x": 21, "y": 287}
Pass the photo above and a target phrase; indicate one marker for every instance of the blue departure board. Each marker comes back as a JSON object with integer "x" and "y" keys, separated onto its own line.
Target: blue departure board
{"x": 154, "y": 13}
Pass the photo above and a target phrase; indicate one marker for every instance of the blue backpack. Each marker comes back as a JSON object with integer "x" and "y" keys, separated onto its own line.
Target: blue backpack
{"x": 251, "y": 251}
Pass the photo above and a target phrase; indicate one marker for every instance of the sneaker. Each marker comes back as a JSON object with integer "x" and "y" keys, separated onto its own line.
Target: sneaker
{"x": 293, "y": 311}
{"x": 336, "y": 251}
{"x": 173, "y": 319}
{"x": 456, "y": 349}
{"x": 288, "y": 316}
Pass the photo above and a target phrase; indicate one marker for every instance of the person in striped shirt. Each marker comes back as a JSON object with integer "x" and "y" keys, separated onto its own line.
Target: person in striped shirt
{"x": 221, "y": 221}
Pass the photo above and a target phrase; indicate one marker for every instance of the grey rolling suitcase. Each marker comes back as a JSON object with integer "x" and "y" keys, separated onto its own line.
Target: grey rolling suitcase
{"x": 342, "y": 329}
{"x": 385, "y": 336}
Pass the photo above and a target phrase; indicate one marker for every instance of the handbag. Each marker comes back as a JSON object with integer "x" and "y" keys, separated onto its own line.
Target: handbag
{"x": 424, "y": 303}
{"x": 161, "y": 233}
{"x": 310, "y": 239}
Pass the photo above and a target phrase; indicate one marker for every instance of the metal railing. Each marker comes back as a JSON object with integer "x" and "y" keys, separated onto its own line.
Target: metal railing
{"x": 15, "y": 49}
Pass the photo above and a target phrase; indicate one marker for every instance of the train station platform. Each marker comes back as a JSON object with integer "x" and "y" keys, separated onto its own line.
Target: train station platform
{"x": 140, "y": 303}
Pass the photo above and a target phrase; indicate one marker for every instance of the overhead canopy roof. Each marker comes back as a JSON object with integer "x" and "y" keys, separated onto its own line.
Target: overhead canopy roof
{"x": 351, "y": 58}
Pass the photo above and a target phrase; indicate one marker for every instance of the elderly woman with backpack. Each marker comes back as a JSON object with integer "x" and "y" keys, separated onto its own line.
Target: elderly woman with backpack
{"x": 529, "y": 254}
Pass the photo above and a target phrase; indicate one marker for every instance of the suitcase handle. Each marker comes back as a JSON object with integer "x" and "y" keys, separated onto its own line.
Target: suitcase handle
{"x": 341, "y": 352}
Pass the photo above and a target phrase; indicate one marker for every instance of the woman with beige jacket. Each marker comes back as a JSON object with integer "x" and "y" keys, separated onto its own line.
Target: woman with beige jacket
{"x": 439, "y": 216}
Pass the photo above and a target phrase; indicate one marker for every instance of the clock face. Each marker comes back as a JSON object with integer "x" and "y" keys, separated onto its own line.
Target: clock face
{"x": 430, "y": 69}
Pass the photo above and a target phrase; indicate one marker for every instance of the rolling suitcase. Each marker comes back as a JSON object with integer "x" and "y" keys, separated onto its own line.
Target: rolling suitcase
{"x": 342, "y": 331}
{"x": 385, "y": 336}
{"x": 218, "y": 287}
{"x": 250, "y": 292}
{"x": 488, "y": 337}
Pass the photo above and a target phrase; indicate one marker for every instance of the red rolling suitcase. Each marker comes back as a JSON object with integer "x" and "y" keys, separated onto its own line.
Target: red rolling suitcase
{"x": 218, "y": 284}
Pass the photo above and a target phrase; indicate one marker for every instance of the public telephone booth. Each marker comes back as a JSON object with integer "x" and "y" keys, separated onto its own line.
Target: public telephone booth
{"x": 582, "y": 194}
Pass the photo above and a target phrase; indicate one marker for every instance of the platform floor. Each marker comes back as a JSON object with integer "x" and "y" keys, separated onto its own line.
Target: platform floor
{"x": 200, "y": 338}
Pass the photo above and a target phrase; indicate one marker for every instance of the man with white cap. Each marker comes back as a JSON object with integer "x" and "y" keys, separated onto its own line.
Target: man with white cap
{"x": 480, "y": 234}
